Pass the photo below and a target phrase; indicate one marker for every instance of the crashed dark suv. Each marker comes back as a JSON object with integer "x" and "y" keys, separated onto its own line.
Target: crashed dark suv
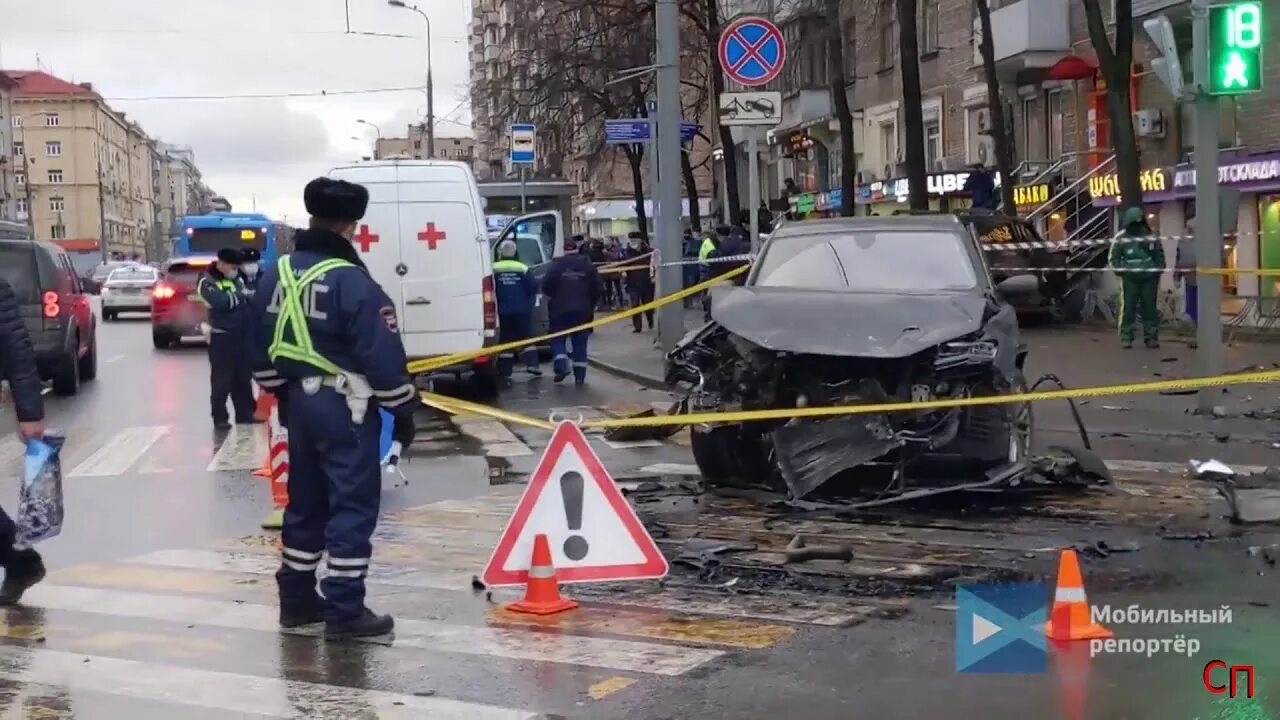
{"x": 855, "y": 311}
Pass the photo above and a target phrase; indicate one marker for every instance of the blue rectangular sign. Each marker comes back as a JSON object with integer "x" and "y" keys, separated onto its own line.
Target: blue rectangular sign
{"x": 637, "y": 130}
{"x": 523, "y": 147}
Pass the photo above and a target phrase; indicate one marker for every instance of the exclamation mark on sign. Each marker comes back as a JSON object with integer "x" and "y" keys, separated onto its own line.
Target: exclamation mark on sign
{"x": 571, "y": 486}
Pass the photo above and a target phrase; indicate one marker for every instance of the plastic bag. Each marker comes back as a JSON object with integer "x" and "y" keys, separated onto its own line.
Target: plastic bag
{"x": 40, "y": 506}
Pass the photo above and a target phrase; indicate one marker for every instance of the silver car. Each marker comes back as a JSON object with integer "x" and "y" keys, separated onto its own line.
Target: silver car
{"x": 128, "y": 289}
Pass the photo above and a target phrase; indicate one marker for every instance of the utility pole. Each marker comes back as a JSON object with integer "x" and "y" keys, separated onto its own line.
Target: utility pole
{"x": 667, "y": 225}
{"x": 1208, "y": 241}
{"x": 102, "y": 212}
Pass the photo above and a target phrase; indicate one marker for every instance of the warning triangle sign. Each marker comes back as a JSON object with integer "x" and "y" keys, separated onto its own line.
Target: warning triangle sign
{"x": 594, "y": 533}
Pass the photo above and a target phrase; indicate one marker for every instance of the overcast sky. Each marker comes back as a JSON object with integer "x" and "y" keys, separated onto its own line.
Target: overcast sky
{"x": 263, "y": 149}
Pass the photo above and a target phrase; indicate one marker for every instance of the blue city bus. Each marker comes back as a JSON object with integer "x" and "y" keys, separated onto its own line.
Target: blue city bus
{"x": 209, "y": 233}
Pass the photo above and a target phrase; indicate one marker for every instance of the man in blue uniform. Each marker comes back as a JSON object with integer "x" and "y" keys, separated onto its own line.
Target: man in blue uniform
{"x": 249, "y": 260}
{"x": 328, "y": 346}
{"x": 517, "y": 291}
{"x": 572, "y": 287}
{"x": 222, "y": 291}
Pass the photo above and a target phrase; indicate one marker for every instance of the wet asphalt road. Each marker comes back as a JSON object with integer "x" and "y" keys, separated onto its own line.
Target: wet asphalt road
{"x": 160, "y": 602}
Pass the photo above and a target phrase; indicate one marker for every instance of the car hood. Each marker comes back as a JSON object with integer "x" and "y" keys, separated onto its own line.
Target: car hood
{"x": 851, "y": 324}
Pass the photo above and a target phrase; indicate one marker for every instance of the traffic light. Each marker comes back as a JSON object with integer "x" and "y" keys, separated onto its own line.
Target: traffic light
{"x": 1236, "y": 37}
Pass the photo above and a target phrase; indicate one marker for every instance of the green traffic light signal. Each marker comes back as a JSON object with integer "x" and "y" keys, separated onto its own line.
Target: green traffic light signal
{"x": 1236, "y": 37}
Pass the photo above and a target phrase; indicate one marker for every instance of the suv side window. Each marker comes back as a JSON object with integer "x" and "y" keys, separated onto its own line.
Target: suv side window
{"x": 72, "y": 279}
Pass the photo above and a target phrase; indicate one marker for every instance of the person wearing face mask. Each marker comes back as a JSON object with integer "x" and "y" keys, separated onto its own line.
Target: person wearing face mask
{"x": 249, "y": 259}
{"x": 223, "y": 293}
{"x": 639, "y": 283}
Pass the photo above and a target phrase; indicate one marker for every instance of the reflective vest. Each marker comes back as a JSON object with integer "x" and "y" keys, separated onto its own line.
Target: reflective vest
{"x": 292, "y": 316}
{"x": 225, "y": 285}
{"x": 704, "y": 252}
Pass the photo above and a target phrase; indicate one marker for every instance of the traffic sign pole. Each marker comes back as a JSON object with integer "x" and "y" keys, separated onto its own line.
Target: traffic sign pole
{"x": 668, "y": 126}
{"x": 1208, "y": 242}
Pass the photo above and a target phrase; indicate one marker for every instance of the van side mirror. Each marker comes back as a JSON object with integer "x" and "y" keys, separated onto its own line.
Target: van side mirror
{"x": 1019, "y": 285}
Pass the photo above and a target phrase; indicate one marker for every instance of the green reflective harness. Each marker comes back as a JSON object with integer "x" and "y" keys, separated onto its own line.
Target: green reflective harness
{"x": 224, "y": 285}
{"x": 300, "y": 349}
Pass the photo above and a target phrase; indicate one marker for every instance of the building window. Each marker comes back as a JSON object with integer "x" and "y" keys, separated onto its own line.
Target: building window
{"x": 889, "y": 149}
{"x": 1053, "y": 118}
{"x": 16, "y": 121}
{"x": 51, "y": 120}
{"x": 53, "y": 148}
{"x": 57, "y": 204}
{"x": 58, "y": 232}
{"x": 888, "y": 36}
{"x": 20, "y": 179}
{"x": 55, "y": 177}
{"x": 933, "y": 146}
{"x": 928, "y": 26}
{"x": 22, "y": 206}
{"x": 17, "y": 149}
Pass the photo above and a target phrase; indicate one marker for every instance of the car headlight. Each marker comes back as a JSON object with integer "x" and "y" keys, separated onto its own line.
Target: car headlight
{"x": 106, "y": 291}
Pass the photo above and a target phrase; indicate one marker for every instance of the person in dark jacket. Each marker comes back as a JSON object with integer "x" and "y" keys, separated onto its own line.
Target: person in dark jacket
{"x": 517, "y": 292}
{"x": 572, "y": 287}
{"x": 23, "y": 567}
{"x": 981, "y": 186}
{"x": 249, "y": 260}
{"x": 733, "y": 243}
{"x": 639, "y": 282}
{"x": 230, "y": 369}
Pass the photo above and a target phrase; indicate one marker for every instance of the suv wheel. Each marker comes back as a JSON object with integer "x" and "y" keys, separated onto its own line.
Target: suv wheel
{"x": 161, "y": 339}
{"x": 67, "y": 381}
{"x": 89, "y": 363}
{"x": 108, "y": 315}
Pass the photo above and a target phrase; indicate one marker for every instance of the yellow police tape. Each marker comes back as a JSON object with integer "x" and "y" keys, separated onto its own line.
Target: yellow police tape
{"x": 428, "y": 364}
{"x": 1265, "y": 376}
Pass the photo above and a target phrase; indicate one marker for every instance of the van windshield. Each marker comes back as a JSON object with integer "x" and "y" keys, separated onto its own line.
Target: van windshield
{"x": 18, "y": 268}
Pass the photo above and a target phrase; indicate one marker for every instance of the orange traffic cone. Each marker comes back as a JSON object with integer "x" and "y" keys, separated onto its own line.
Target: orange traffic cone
{"x": 262, "y": 411}
{"x": 542, "y": 593}
{"x": 1069, "y": 619}
{"x": 265, "y": 411}
{"x": 278, "y": 460}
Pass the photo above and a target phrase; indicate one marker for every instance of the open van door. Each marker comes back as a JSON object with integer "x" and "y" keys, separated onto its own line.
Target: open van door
{"x": 539, "y": 237}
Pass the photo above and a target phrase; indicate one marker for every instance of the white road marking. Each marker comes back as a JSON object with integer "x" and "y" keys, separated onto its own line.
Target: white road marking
{"x": 119, "y": 453}
{"x": 267, "y": 563}
{"x": 631, "y": 444}
{"x": 229, "y": 692}
{"x": 244, "y": 448}
{"x": 113, "y": 358}
{"x": 606, "y": 653}
{"x": 672, "y": 469}
{"x": 1174, "y": 468}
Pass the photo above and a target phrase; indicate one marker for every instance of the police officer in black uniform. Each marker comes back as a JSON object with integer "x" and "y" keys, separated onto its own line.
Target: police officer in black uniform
{"x": 223, "y": 293}
{"x": 328, "y": 347}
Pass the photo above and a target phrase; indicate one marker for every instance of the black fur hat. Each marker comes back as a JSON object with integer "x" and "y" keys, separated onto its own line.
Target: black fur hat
{"x": 250, "y": 255}
{"x": 331, "y": 199}
{"x": 230, "y": 256}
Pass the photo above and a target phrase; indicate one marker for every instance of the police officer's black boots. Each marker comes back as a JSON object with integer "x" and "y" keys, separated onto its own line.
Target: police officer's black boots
{"x": 369, "y": 624}
{"x": 22, "y": 569}
{"x": 298, "y": 615}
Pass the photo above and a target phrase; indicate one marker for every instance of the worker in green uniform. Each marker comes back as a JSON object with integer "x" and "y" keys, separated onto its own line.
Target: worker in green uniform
{"x": 1139, "y": 263}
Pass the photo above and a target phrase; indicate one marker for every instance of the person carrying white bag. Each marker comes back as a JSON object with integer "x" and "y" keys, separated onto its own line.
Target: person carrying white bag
{"x": 22, "y": 564}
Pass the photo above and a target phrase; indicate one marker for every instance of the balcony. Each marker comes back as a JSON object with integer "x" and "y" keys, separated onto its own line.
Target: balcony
{"x": 1028, "y": 34}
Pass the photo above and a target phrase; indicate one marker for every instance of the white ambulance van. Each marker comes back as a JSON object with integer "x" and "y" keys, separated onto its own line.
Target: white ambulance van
{"x": 425, "y": 242}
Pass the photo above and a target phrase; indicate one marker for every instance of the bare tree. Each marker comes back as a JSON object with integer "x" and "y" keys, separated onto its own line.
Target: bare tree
{"x": 836, "y": 42}
{"x": 562, "y": 74}
{"x": 995, "y": 107}
{"x": 912, "y": 112}
{"x": 1116, "y": 63}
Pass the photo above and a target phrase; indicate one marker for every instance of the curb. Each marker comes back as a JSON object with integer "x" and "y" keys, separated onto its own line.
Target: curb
{"x": 647, "y": 381}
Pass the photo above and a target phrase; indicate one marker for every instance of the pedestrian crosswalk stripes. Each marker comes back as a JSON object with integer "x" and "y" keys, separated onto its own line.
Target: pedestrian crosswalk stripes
{"x": 244, "y": 695}
{"x": 118, "y": 454}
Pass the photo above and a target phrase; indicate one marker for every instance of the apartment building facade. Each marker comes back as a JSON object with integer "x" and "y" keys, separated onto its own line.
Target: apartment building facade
{"x": 9, "y": 192}
{"x": 414, "y": 145}
{"x": 509, "y": 59}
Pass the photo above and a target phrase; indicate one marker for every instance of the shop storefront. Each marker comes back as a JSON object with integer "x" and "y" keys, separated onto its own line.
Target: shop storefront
{"x": 946, "y": 193}
{"x": 1251, "y": 237}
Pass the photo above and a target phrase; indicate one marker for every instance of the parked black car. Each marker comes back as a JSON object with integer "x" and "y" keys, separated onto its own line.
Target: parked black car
{"x": 55, "y": 308}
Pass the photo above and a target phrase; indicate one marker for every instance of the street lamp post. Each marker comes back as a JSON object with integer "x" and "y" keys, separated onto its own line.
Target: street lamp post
{"x": 377, "y": 130}
{"x": 431, "y": 100}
